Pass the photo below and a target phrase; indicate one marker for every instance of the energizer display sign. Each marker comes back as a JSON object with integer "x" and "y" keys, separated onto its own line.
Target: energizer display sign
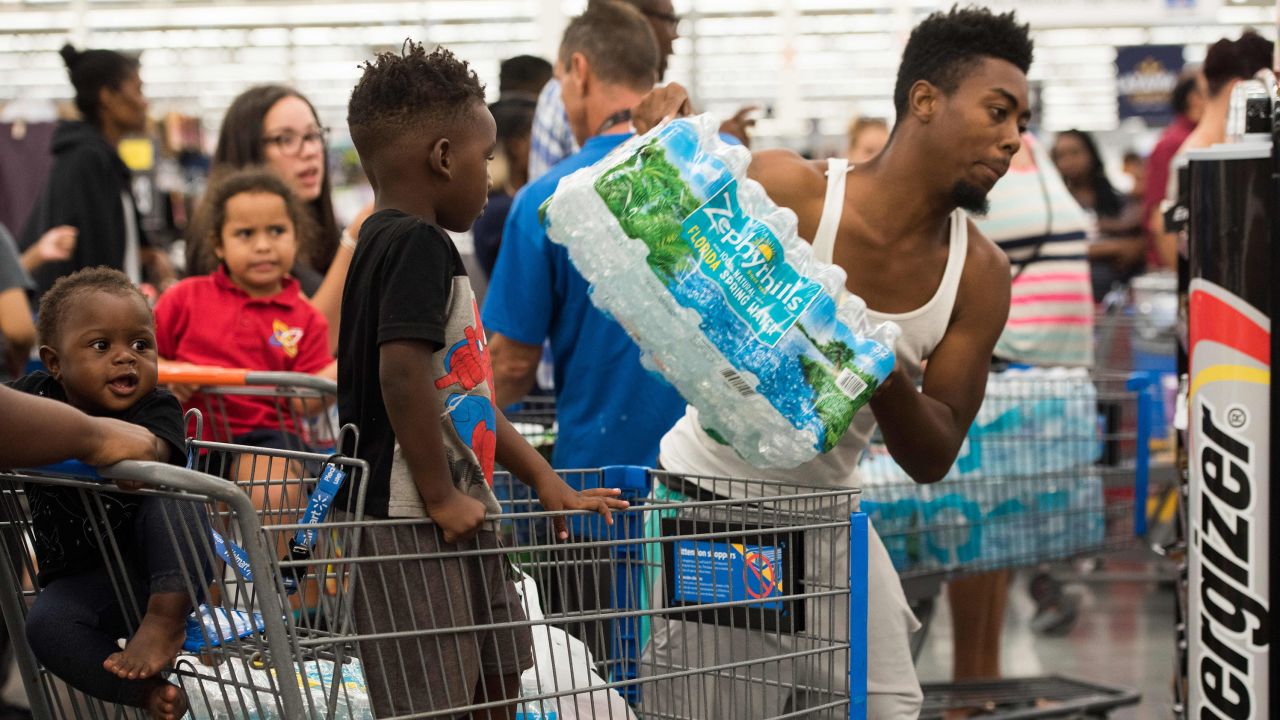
{"x": 1229, "y": 625}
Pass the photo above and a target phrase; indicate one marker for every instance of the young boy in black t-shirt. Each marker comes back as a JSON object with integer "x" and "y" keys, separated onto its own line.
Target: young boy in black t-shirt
{"x": 98, "y": 341}
{"x": 414, "y": 376}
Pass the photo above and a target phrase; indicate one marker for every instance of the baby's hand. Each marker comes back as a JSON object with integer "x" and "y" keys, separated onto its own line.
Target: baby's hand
{"x": 459, "y": 516}
{"x": 555, "y": 495}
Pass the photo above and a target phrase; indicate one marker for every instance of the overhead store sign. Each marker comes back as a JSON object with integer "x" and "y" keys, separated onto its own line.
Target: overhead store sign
{"x": 1145, "y": 78}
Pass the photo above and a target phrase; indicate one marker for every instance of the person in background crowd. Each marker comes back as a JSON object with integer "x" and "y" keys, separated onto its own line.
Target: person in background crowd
{"x": 1116, "y": 251}
{"x": 89, "y": 186}
{"x": 520, "y": 79}
{"x": 610, "y": 409}
{"x": 553, "y": 139}
{"x": 1188, "y": 106}
{"x": 1226, "y": 63}
{"x": 867, "y": 137}
{"x": 523, "y": 77}
{"x": 514, "y": 117}
{"x": 1136, "y": 170}
{"x": 17, "y": 329}
{"x": 275, "y": 126}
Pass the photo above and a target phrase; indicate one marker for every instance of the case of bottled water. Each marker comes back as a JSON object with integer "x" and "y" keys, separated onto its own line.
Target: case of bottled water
{"x": 724, "y": 298}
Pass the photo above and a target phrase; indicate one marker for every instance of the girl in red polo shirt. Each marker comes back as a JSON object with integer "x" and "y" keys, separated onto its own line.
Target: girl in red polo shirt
{"x": 249, "y": 313}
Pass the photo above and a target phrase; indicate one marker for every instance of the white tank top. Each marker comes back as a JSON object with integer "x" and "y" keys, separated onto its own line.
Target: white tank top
{"x": 687, "y": 449}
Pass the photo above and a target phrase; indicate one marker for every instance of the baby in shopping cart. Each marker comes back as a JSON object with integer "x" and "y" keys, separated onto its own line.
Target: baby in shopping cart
{"x": 98, "y": 343}
{"x": 250, "y": 313}
{"x": 414, "y": 375}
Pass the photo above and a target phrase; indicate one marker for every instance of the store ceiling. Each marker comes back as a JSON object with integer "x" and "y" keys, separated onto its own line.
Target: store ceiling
{"x": 811, "y": 64}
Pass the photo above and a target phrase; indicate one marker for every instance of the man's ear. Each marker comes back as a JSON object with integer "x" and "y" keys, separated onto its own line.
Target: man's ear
{"x": 440, "y": 159}
{"x": 923, "y": 99}
{"x": 49, "y": 357}
{"x": 580, "y": 71}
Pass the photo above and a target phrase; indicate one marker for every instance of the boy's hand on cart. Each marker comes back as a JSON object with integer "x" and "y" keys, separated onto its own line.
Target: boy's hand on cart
{"x": 555, "y": 495}
{"x": 459, "y": 516}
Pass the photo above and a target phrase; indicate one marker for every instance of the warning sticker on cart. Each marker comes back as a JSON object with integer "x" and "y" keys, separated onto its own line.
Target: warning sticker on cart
{"x": 717, "y": 572}
{"x": 743, "y": 579}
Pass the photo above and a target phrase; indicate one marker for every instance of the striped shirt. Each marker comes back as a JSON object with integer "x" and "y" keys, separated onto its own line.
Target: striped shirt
{"x": 552, "y": 139}
{"x": 1042, "y": 229}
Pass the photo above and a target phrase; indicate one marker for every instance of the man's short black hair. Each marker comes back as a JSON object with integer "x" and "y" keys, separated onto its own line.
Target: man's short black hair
{"x": 1182, "y": 92}
{"x": 403, "y": 92}
{"x": 523, "y": 75}
{"x": 618, "y": 42}
{"x": 944, "y": 47}
{"x": 70, "y": 288}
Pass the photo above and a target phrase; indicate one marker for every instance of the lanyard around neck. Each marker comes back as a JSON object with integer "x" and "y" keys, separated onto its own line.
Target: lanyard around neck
{"x": 617, "y": 118}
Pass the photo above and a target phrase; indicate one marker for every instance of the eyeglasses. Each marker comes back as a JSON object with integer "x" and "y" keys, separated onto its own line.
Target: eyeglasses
{"x": 290, "y": 143}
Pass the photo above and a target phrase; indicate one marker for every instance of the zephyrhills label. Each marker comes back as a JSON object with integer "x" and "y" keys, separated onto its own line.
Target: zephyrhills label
{"x": 744, "y": 258}
{"x": 1229, "y": 618}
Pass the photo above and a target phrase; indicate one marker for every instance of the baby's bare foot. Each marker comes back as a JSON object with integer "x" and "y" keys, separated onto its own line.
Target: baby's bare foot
{"x": 167, "y": 702}
{"x": 151, "y": 649}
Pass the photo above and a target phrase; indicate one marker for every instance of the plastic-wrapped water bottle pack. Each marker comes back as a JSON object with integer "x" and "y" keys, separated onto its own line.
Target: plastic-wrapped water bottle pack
{"x": 723, "y": 297}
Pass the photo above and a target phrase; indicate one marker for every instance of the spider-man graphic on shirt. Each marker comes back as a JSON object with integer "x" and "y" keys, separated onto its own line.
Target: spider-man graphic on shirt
{"x": 467, "y": 368}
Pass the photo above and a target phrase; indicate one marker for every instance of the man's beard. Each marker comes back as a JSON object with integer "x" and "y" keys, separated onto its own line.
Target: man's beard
{"x": 970, "y": 198}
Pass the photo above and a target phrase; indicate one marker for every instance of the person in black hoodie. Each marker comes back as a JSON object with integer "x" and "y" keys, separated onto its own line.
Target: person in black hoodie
{"x": 89, "y": 185}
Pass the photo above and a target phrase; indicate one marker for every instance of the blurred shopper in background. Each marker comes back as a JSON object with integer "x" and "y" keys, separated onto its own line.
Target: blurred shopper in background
{"x": 520, "y": 79}
{"x": 867, "y": 137}
{"x": 523, "y": 77}
{"x": 275, "y": 126}
{"x": 1226, "y": 63}
{"x": 508, "y": 173}
{"x": 1188, "y": 106}
{"x": 89, "y": 187}
{"x": 1116, "y": 252}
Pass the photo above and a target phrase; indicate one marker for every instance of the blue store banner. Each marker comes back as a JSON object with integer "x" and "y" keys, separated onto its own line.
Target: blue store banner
{"x": 1145, "y": 78}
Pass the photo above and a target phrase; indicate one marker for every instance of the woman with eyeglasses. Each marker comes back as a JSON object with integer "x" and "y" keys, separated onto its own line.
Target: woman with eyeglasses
{"x": 276, "y": 127}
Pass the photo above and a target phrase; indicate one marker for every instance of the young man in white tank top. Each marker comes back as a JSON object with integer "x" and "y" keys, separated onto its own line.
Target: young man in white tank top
{"x": 896, "y": 225}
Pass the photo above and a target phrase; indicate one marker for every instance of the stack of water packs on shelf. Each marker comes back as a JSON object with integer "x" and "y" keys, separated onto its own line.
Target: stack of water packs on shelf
{"x": 1024, "y": 488}
{"x": 724, "y": 299}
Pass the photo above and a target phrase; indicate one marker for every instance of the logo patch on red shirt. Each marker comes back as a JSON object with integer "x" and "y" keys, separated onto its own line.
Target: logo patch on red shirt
{"x": 285, "y": 337}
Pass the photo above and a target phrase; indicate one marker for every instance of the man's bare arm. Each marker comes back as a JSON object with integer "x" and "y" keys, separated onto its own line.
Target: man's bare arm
{"x": 791, "y": 182}
{"x": 925, "y": 429}
{"x": 515, "y": 368}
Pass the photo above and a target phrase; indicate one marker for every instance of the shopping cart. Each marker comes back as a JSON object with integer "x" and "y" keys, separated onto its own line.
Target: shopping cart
{"x": 237, "y": 650}
{"x": 784, "y": 569}
{"x": 1054, "y": 467}
{"x": 297, "y": 408}
{"x": 1049, "y": 470}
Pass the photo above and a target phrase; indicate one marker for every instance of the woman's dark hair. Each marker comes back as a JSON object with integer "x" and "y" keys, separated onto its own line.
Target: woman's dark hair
{"x": 1108, "y": 201}
{"x": 240, "y": 145}
{"x": 93, "y": 70}
{"x": 253, "y": 179}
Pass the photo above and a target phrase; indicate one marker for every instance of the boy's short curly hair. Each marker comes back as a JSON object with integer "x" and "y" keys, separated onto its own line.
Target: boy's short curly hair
{"x": 400, "y": 92}
{"x": 69, "y": 289}
{"x": 944, "y": 47}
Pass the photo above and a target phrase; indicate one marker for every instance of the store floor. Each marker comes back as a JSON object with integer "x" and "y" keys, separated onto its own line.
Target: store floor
{"x": 1124, "y": 638}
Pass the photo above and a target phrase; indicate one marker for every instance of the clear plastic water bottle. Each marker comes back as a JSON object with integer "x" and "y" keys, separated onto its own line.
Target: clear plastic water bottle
{"x": 724, "y": 298}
